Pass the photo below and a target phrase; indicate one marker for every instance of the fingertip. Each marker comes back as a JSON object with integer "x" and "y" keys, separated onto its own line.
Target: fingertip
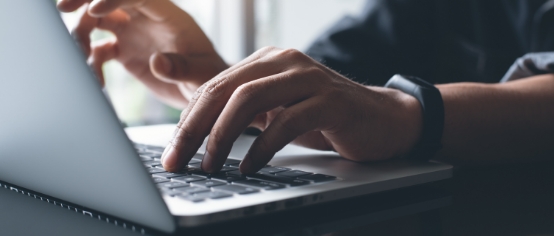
{"x": 247, "y": 165}
{"x": 207, "y": 163}
{"x": 65, "y": 6}
{"x": 95, "y": 9}
{"x": 161, "y": 64}
{"x": 170, "y": 160}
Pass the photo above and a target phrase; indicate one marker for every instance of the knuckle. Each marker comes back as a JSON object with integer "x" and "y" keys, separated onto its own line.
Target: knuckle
{"x": 216, "y": 135}
{"x": 218, "y": 138}
{"x": 262, "y": 144}
{"x": 314, "y": 71}
{"x": 293, "y": 54}
{"x": 265, "y": 52}
{"x": 183, "y": 135}
{"x": 245, "y": 92}
{"x": 198, "y": 93}
{"x": 182, "y": 116}
{"x": 287, "y": 121}
{"x": 267, "y": 49}
{"x": 215, "y": 90}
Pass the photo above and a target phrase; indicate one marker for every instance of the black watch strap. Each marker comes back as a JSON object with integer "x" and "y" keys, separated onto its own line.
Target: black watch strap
{"x": 433, "y": 114}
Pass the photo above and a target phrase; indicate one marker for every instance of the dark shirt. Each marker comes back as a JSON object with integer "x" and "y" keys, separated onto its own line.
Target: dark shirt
{"x": 441, "y": 41}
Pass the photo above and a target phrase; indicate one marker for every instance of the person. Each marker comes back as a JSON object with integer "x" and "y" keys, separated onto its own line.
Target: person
{"x": 322, "y": 101}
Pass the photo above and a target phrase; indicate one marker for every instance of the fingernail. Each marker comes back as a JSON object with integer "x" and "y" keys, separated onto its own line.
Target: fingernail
{"x": 169, "y": 157}
{"x": 166, "y": 150}
{"x": 246, "y": 164}
{"x": 165, "y": 63}
{"x": 206, "y": 164}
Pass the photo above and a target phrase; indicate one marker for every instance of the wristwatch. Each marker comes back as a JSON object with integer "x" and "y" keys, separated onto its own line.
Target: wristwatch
{"x": 433, "y": 114}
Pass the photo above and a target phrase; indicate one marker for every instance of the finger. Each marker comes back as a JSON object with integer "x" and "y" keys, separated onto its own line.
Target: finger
{"x": 101, "y": 53}
{"x": 113, "y": 22}
{"x": 157, "y": 10}
{"x": 71, "y": 5}
{"x": 168, "y": 66}
{"x": 82, "y": 30}
{"x": 225, "y": 75}
{"x": 176, "y": 68}
{"x": 287, "y": 126}
{"x": 249, "y": 100}
{"x": 312, "y": 139}
{"x": 205, "y": 106}
{"x": 86, "y": 24}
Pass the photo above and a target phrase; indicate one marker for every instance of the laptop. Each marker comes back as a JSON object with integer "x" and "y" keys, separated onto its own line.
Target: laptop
{"x": 60, "y": 137}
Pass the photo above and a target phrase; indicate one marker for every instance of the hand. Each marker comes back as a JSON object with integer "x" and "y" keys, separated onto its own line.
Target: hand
{"x": 156, "y": 41}
{"x": 292, "y": 98}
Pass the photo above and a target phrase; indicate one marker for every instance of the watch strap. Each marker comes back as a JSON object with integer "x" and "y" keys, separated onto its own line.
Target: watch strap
{"x": 433, "y": 114}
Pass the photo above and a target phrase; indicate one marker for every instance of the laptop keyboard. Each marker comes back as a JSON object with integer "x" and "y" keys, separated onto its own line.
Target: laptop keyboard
{"x": 193, "y": 184}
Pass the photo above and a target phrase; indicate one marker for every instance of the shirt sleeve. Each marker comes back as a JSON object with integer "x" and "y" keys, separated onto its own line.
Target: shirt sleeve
{"x": 529, "y": 65}
{"x": 389, "y": 37}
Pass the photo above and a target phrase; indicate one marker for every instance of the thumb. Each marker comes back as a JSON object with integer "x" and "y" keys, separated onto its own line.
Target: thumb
{"x": 168, "y": 67}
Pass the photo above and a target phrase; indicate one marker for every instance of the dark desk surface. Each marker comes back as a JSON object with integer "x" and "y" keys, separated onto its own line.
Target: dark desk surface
{"x": 503, "y": 200}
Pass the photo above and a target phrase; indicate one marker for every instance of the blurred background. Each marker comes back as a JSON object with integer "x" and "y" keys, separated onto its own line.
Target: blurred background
{"x": 236, "y": 28}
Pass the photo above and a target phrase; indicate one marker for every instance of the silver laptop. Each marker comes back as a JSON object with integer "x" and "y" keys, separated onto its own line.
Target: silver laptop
{"x": 60, "y": 137}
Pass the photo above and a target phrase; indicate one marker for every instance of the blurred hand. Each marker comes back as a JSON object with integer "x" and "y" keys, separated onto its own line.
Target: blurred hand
{"x": 292, "y": 98}
{"x": 156, "y": 41}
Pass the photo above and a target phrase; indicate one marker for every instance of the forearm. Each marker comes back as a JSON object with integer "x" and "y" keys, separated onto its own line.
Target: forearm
{"x": 507, "y": 122}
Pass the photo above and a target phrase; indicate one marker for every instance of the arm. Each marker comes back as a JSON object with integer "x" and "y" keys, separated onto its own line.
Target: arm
{"x": 388, "y": 37}
{"x": 486, "y": 123}
{"x": 292, "y": 98}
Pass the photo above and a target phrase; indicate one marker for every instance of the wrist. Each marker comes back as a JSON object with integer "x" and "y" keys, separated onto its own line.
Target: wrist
{"x": 411, "y": 119}
{"x": 402, "y": 121}
{"x": 432, "y": 114}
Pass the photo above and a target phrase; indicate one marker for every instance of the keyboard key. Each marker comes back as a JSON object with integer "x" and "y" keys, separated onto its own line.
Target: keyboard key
{"x": 192, "y": 198}
{"x": 274, "y": 169}
{"x": 293, "y": 173}
{"x": 171, "y": 185}
{"x": 213, "y": 195}
{"x": 227, "y": 178}
{"x": 236, "y": 189}
{"x": 145, "y": 158}
{"x": 238, "y": 164}
{"x": 152, "y": 154}
{"x": 209, "y": 183}
{"x": 154, "y": 148}
{"x": 158, "y": 180}
{"x": 318, "y": 177}
{"x": 198, "y": 156}
{"x": 169, "y": 175}
{"x": 234, "y": 173}
{"x": 261, "y": 184}
{"x": 200, "y": 172}
{"x": 195, "y": 165}
{"x": 299, "y": 182}
{"x": 151, "y": 163}
{"x": 231, "y": 162}
{"x": 279, "y": 179}
{"x": 191, "y": 190}
{"x": 155, "y": 170}
{"x": 189, "y": 178}
{"x": 156, "y": 157}
{"x": 228, "y": 168}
